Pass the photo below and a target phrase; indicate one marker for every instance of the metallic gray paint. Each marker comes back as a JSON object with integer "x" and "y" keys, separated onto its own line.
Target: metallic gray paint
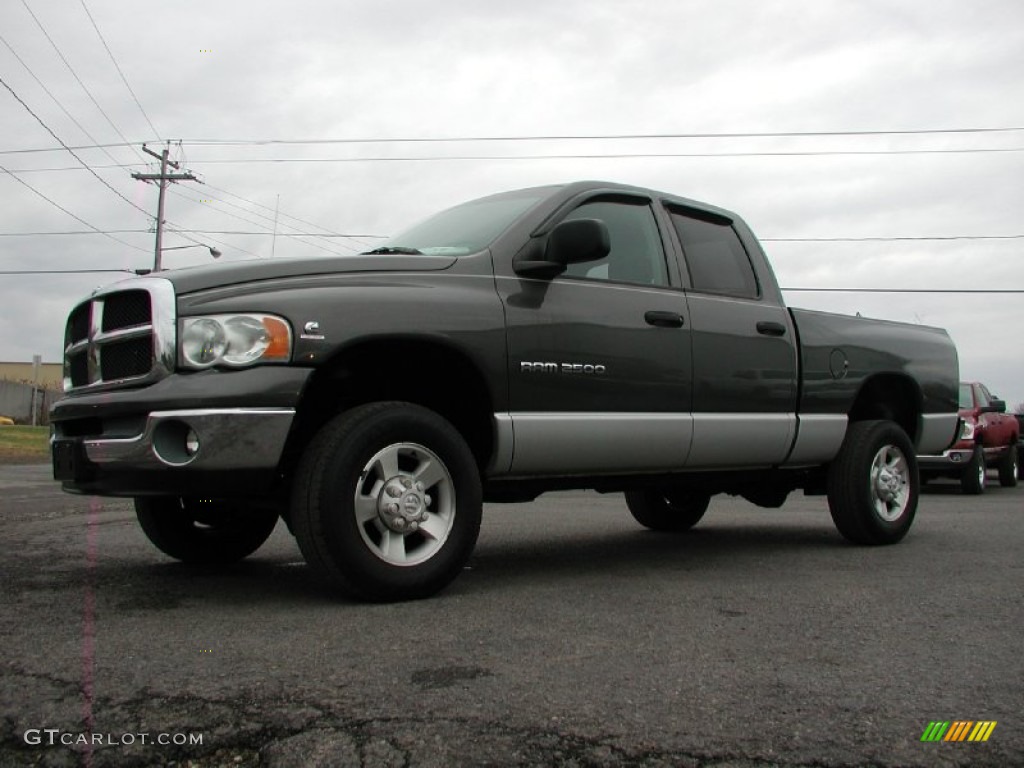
{"x": 818, "y": 438}
{"x": 715, "y": 382}
{"x": 580, "y": 443}
{"x": 922, "y": 355}
{"x": 937, "y": 432}
{"x": 740, "y": 440}
{"x": 593, "y": 443}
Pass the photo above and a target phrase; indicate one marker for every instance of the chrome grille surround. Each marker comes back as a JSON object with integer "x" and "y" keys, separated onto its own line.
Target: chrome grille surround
{"x": 140, "y": 338}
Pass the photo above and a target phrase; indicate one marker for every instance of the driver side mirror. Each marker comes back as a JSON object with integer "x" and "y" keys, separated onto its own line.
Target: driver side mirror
{"x": 995, "y": 406}
{"x": 570, "y": 242}
{"x": 577, "y": 241}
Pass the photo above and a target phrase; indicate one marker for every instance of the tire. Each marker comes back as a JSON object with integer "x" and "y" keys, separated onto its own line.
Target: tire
{"x": 873, "y": 484}
{"x": 1009, "y": 467}
{"x": 975, "y": 474}
{"x": 204, "y": 531}
{"x": 387, "y": 502}
{"x": 672, "y": 511}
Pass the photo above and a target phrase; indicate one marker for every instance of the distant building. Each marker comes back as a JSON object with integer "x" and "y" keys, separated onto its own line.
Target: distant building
{"x": 51, "y": 375}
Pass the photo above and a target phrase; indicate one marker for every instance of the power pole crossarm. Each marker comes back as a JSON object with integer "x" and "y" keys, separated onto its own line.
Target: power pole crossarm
{"x": 162, "y": 178}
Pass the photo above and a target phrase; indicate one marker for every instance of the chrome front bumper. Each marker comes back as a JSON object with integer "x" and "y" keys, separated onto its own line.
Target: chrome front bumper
{"x": 198, "y": 452}
{"x": 202, "y": 439}
{"x": 953, "y": 459}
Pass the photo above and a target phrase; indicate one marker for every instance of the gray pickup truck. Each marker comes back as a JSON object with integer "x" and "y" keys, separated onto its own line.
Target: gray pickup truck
{"x": 589, "y": 335}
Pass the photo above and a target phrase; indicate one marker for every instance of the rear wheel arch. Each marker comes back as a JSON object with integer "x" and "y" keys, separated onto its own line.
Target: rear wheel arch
{"x": 889, "y": 397}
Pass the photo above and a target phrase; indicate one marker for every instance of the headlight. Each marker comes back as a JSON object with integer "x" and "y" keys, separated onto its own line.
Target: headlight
{"x": 967, "y": 432}
{"x": 233, "y": 340}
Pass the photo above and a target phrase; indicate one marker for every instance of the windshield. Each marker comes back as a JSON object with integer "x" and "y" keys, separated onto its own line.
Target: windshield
{"x": 966, "y": 400}
{"x": 466, "y": 228}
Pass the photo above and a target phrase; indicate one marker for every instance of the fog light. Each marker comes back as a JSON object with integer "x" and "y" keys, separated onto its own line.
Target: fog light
{"x": 175, "y": 443}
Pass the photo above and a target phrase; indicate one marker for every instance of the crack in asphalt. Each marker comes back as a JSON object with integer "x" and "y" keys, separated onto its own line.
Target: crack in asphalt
{"x": 291, "y": 732}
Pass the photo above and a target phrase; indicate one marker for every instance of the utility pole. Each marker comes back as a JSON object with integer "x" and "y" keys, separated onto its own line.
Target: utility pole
{"x": 163, "y": 177}
{"x": 36, "y": 362}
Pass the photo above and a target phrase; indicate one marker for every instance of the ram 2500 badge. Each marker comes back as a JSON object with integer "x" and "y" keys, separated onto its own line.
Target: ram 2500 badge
{"x": 589, "y": 335}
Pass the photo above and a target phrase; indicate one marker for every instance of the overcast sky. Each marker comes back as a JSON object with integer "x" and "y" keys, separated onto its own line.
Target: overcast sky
{"x": 227, "y": 77}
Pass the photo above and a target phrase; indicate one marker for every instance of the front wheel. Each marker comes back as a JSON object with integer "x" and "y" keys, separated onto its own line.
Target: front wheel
{"x": 873, "y": 483}
{"x": 387, "y": 502}
{"x": 204, "y": 531}
{"x": 667, "y": 510}
{"x": 1008, "y": 467}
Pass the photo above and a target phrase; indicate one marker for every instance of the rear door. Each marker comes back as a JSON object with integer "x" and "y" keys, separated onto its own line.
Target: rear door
{"x": 744, "y": 351}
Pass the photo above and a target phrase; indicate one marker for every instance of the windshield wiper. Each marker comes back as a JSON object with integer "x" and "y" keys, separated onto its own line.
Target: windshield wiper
{"x": 399, "y": 249}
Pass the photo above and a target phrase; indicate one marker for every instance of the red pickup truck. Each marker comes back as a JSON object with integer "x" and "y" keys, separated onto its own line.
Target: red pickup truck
{"x": 989, "y": 439}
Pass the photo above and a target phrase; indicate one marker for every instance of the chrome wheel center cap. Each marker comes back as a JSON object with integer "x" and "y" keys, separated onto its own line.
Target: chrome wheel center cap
{"x": 402, "y": 504}
{"x": 888, "y": 485}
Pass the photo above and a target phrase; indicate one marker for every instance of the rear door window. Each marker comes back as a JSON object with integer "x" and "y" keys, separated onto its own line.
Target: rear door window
{"x": 715, "y": 258}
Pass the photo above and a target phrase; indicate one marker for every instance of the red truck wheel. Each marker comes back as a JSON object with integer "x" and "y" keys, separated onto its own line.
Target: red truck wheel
{"x": 386, "y": 503}
{"x": 204, "y": 531}
{"x": 873, "y": 483}
{"x": 1008, "y": 468}
{"x": 975, "y": 474}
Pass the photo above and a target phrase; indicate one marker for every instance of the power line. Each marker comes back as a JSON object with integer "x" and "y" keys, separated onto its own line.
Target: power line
{"x": 555, "y": 137}
{"x": 598, "y": 137}
{"x": 880, "y": 239}
{"x": 607, "y": 156}
{"x": 180, "y": 231}
{"x": 74, "y": 74}
{"x": 106, "y": 167}
{"x": 57, "y": 102}
{"x": 258, "y": 224}
{"x": 79, "y": 219}
{"x": 329, "y": 232}
{"x": 40, "y": 150}
{"x": 85, "y": 165}
{"x": 118, "y": 68}
{"x": 60, "y": 271}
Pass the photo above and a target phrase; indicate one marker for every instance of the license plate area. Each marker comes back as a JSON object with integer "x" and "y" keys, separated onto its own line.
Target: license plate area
{"x": 69, "y": 461}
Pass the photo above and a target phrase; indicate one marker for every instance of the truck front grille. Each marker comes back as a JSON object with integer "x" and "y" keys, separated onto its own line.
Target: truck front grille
{"x": 121, "y": 336}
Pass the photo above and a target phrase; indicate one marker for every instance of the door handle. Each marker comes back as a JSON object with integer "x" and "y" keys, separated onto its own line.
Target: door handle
{"x": 663, "y": 319}
{"x": 769, "y": 328}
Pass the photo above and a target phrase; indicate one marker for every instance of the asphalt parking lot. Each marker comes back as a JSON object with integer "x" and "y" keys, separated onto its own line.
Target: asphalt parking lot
{"x": 574, "y": 638}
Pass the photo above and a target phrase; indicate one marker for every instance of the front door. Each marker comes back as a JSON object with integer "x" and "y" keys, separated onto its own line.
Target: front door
{"x": 599, "y": 357}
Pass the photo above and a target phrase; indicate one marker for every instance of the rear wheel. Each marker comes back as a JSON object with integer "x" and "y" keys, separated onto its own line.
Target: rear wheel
{"x": 667, "y": 510}
{"x": 975, "y": 475}
{"x": 387, "y": 502}
{"x": 1008, "y": 468}
{"x": 205, "y": 531}
{"x": 873, "y": 483}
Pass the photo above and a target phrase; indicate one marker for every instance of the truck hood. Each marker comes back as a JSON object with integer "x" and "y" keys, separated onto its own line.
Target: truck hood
{"x": 218, "y": 275}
